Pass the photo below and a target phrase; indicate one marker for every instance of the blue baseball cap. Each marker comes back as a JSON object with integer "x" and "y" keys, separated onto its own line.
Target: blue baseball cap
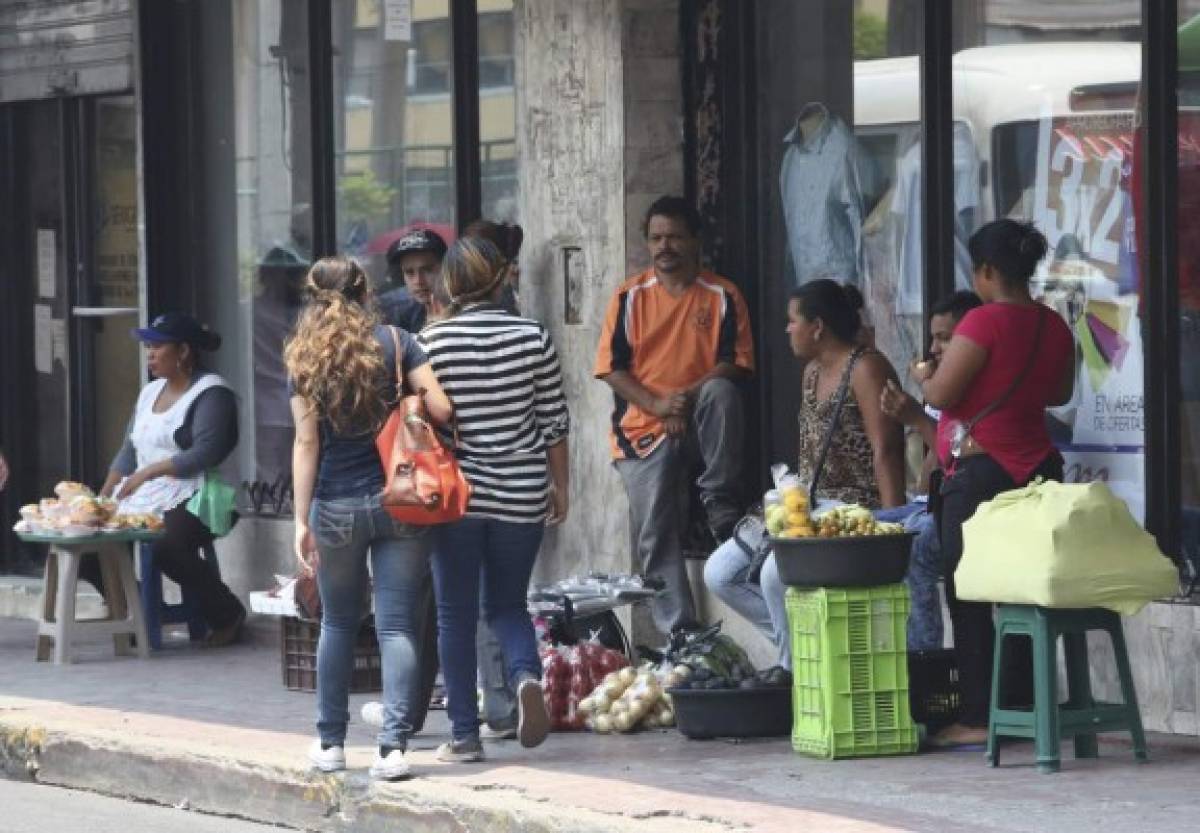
{"x": 177, "y": 328}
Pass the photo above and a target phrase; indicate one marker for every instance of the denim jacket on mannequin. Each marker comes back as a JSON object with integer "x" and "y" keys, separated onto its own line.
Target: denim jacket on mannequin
{"x": 822, "y": 199}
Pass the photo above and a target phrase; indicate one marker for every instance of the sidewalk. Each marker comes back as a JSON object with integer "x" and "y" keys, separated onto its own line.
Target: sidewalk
{"x": 218, "y": 731}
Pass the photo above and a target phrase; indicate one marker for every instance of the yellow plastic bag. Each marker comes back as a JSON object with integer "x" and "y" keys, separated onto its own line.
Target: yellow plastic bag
{"x": 1062, "y": 545}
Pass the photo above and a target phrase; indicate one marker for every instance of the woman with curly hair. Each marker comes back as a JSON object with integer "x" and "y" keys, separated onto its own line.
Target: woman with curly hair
{"x": 341, "y": 365}
{"x": 502, "y": 374}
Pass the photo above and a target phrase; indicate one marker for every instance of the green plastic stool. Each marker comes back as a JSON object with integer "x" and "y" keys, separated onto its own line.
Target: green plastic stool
{"x": 1081, "y": 717}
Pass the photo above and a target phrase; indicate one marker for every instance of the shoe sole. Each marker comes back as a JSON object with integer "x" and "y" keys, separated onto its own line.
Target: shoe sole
{"x": 498, "y": 736}
{"x": 327, "y": 768}
{"x": 534, "y": 720}
{"x": 390, "y": 774}
{"x": 460, "y": 757}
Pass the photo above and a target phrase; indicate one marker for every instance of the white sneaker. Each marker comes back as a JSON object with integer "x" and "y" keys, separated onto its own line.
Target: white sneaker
{"x": 533, "y": 724}
{"x": 372, "y": 713}
{"x": 392, "y": 768}
{"x": 461, "y": 751}
{"x": 487, "y": 732}
{"x": 332, "y": 759}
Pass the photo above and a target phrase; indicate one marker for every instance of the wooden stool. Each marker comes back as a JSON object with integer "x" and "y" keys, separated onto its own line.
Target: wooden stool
{"x": 58, "y": 624}
{"x": 1081, "y": 717}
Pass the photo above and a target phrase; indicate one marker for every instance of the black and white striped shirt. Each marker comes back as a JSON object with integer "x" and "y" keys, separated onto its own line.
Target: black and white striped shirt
{"x": 502, "y": 374}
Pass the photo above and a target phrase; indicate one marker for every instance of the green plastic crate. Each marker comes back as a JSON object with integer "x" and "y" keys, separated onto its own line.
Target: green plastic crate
{"x": 850, "y": 672}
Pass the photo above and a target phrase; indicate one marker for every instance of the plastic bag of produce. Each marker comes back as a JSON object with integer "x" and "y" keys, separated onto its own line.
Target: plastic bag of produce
{"x": 1062, "y": 545}
{"x": 714, "y": 658}
{"x": 569, "y": 675}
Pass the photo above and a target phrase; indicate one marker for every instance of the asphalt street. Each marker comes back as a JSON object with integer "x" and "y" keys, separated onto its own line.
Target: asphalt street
{"x": 33, "y": 808}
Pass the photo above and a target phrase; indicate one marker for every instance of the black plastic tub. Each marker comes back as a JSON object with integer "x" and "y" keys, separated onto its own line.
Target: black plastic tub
{"x": 733, "y": 712}
{"x": 867, "y": 561}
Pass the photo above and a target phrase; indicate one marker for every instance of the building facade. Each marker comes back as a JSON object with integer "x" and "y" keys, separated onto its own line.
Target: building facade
{"x": 199, "y": 154}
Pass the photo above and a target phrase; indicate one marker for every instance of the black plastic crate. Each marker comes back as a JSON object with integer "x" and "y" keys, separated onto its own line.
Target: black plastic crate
{"x": 934, "y": 695}
{"x": 298, "y": 653}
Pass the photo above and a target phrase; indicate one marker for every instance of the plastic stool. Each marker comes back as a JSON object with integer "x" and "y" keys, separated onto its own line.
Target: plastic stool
{"x": 156, "y": 612}
{"x": 1081, "y": 717}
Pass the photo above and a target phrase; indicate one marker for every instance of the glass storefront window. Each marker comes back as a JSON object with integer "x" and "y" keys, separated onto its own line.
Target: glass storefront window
{"x": 497, "y": 111}
{"x": 115, "y": 246}
{"x": 1188, "y": 184}
{"x": 394, "y": 127}
{"x": 273, "y": 171}
{"x": 839, "y": 120}
{"x": 1047, "y": 104}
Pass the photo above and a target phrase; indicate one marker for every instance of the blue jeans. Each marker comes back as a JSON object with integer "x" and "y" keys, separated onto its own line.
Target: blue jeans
{"x": 346, "y": 530}
{"x": 499, "y": 700}
{"x": 763, "y": 603}
{"x": 925, "y": 626}
{"x": 498, "y": 557}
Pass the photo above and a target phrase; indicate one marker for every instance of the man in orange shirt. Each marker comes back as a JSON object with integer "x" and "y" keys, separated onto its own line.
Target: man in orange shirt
{"x": 675, "y": 345}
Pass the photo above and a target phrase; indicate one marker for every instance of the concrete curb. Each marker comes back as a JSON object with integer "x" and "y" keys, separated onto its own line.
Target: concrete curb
{"x": 294, "y": 797}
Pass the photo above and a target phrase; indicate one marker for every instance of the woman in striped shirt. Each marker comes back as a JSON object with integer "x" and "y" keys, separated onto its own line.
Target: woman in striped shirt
{"x": 502, "y": 375}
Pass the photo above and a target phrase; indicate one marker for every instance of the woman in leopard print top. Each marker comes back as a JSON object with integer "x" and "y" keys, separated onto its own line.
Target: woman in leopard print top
{"x": 848, "y": 474}
{"x": 865, "y": 463}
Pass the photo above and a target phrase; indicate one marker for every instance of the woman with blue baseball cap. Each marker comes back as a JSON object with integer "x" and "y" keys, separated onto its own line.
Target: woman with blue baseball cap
{"x": 183, "y": 425}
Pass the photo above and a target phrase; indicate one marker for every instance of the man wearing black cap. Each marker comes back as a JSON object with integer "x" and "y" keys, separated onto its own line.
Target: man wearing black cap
{"x": 416, "y": 258}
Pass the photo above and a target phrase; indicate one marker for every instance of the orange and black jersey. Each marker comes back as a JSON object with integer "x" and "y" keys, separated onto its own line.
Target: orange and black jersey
{"x": 668, "y": 344}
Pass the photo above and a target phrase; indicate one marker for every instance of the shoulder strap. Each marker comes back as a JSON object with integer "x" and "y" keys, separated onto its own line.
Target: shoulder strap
{"x": 421, "y": 392}
{"x": 1018, "y": 379}
{"x": 399, "y": 372}
{"x": 839, "y": 402}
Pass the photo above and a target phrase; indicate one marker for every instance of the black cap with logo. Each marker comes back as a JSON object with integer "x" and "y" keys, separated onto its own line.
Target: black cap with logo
{"x": 417, "y": 240}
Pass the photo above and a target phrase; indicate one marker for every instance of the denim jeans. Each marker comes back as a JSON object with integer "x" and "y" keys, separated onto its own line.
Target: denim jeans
{"x": 499, "y": 706}
{"x": 925, "y": 627}
{"x": 496, "y": 558}
{"x": 762, "y": 603}
{"x": 346, "y": 530}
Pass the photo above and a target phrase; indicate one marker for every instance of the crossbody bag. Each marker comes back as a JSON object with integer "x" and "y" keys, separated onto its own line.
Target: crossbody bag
{"x": 961, "y": 433}
{"x": 750, "y": 533}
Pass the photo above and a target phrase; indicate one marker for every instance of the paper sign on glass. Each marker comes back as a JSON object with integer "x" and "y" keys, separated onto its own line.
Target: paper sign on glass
{"x": 397, "y": 20}
{"x": 47, "y": 279}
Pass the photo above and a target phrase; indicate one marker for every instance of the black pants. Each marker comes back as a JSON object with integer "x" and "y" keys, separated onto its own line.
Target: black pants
{"x": 177, "y": 555}
{"x": 976, "y": 480}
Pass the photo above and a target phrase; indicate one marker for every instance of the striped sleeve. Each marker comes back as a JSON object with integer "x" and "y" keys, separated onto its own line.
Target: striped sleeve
{"x": 550, "y": 405}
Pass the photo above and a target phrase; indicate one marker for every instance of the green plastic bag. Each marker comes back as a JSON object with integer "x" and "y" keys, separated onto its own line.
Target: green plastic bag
{"x": 1062, "y": 545}
{"x": 213, "y": 504}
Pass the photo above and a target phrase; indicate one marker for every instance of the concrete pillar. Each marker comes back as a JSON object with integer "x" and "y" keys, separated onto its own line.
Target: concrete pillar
{"x": 599, "y": 136}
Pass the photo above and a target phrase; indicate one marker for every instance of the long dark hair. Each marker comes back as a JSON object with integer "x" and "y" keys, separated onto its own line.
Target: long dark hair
{"x": 837, "y": 306}
{"x": 507, "y": 237}
{"x": 1011, "y": 248}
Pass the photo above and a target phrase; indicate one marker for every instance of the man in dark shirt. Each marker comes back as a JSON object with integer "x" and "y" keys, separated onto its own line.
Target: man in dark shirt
{"x": 415, "y": 259}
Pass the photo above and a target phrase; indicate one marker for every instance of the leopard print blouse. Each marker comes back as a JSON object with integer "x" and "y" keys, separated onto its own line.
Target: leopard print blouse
{"x": 849, "y": 473}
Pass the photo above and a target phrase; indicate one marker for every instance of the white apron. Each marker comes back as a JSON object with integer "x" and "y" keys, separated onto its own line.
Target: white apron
{"x": 153, "y": 439}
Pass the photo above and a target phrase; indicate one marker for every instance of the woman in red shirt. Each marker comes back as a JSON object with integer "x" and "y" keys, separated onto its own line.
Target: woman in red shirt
{"x": 1008, "y": 361}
